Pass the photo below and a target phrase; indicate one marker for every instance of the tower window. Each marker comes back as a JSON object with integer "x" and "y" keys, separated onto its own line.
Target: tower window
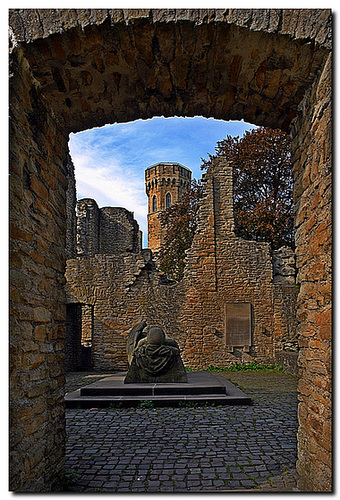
{"x": 154, "y": 203}
{"x": 168, "y": 200}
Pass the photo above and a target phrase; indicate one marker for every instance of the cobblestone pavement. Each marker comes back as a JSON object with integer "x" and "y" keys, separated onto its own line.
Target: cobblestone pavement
{"x": 187, "y": 449}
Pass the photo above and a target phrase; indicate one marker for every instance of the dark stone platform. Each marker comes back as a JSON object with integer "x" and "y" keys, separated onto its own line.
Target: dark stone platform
{"x": 202, "y": 387}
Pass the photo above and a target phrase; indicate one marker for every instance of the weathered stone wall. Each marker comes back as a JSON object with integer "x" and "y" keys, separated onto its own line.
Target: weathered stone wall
{"x": 71, "y": 205}
{"x": 118, "y": 231}
{"x": 223, "y": 269}
{"x": 313, "y": 201}
{"x": 105, "y": 230}
{"x": 105, "y": 65}
{"x": 284, "y": 266}
{"x": 122, "y": 289}
{"x": 75, "y": 69}
{"x": 38, "y": 170}
{"x": 87, "y": 232}
{"x": 285, "y": 300}
{"x": 285, "y": 323}
{"x": 86, "y": 324}
{"x": 100, "y": 231}
{"x": 230, "y": 271}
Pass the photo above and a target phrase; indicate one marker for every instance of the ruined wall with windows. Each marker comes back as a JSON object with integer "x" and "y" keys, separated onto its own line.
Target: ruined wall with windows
{"x": 232, "y": 313}
{"x": 99, "y": 232}
{"x": 236, "y": 303}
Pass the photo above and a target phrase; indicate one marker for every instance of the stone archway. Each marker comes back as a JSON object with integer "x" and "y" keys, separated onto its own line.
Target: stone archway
{"x": 77, "y": 69}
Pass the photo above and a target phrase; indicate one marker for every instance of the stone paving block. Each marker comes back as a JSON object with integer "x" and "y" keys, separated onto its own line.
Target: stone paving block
{"x": 261, "y": 467}
{"x": 225, "y": 476}
{"x": 247, "y": 483}
{"x": 114, "y": 477}
{"x": 95, "y": 483}
{"x": 110, "y": 485}
{"x": 179, "y": 485}
{"x": 176, "y": 477}
{"x": 234, "y": 484}
{"x": 193, "y": 483}
{"x": 239, "y": 475}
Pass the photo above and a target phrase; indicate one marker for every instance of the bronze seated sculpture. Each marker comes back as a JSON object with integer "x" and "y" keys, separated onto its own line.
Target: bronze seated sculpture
{"x": 153, "y": 357}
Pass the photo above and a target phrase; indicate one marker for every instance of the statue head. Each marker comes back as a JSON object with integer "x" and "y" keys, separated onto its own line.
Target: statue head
{"x": 155, "y": 336}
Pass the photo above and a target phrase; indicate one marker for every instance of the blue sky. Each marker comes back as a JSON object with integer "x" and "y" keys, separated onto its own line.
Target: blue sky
{"x": 110, "y": 161}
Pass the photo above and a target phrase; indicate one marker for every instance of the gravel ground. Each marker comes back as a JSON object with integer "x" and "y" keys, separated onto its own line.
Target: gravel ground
{"x": 187, "y": 449}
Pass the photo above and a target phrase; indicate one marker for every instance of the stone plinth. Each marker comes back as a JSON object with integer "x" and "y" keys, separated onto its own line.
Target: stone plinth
{"x": 201, "y": 388}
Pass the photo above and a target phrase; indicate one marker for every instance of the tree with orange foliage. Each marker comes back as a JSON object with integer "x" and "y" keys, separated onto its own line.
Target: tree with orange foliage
{"x": 179, "y": 220}
{"x": 262, "y": 185}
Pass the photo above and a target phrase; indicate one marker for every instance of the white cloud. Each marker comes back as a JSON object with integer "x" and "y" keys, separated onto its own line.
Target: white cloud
{"x": 110, "y": 184}
{"x": 110, "y": 161}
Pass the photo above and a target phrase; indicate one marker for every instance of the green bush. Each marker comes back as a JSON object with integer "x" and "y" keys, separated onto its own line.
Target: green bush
{"x": 146, "y": 403}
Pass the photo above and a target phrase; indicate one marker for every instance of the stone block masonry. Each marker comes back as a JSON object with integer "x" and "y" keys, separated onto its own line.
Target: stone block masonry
{"x": 105, "y": 230}
{"x": 87, "y": 228}
{"x": 109, "y": 260}
{"x": 71, "y": 206}
{"x": 119, "y": 231}
{"x": 37, "y": 311}
{"x": 313, "y": 201}
{"x": 223, "y": 269}
{"x": 121, "y": 289}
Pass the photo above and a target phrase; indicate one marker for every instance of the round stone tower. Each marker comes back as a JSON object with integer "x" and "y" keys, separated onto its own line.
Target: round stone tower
{"x": 165, "y": 184}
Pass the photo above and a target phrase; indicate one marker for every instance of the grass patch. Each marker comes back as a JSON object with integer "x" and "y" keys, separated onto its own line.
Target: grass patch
{"x": 246, "y": 367}
{"x": 196, "y": 404}
{"x": 146, "y": 403}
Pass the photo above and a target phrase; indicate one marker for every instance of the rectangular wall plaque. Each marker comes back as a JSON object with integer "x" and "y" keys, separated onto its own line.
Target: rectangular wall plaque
{"x": 238, "y": 324}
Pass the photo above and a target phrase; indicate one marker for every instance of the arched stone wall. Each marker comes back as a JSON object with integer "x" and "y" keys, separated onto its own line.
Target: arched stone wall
{"x": 103, "y": 66}
{"x": 76, "y": 69}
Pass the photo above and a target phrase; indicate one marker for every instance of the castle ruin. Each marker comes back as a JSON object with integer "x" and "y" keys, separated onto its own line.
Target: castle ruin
{"x": 74, "y": 69}
{"x": 232, "y": 306}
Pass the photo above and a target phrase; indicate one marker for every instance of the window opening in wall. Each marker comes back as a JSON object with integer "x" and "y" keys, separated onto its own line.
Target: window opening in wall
{"x": 238, "y": 325}
{"x": 154, "y": 203}
{"x": 73, "y": 337}
{"x": 79, "y": 335}
{"x": 168, "y": 200}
